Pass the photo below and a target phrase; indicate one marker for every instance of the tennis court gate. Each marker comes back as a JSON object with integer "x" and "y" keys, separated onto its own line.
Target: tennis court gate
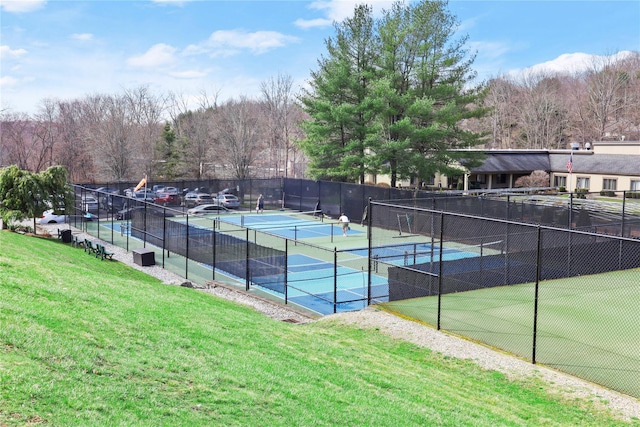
{"x": 494, "y": 252}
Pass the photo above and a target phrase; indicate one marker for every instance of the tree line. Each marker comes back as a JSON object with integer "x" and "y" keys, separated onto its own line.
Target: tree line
{"x": 394, "y": 95}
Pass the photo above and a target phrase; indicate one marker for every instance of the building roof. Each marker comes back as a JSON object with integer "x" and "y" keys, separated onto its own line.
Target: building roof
{"x": 588, "y": 162}
{"x": 523, "y": 162}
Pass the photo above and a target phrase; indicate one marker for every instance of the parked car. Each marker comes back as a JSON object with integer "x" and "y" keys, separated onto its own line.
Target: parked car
{"x": 158, "y": 188}
{"x": 204, "y": 190}
{"x": 168, "y": 199}
{"x": 144, "y": 196}
{"x": 48, "y": 217}
{"x": 90, "y": 204}
{"x": 211, "y": 208}
{"x": 171, "y": 190}
{"x": 229, "y": 201}
{"x": 195, "y": 199}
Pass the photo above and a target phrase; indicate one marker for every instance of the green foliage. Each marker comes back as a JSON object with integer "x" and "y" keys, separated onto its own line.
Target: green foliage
{"x": 24, "y": 194}
{"x": 581, "y": 193}
{"x": 390, "y": 96}
{"x": 169, "y": 152}
{"x": 632, "y": 195}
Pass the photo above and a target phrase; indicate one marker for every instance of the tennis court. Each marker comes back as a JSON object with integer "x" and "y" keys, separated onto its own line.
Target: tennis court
{"x": 319, "y": 285}
{"x": 290, "y": 225}
{"x": 420, "y": 253}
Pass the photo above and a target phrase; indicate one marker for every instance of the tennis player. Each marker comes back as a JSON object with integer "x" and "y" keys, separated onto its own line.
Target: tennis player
{"x": 344, "y": 220}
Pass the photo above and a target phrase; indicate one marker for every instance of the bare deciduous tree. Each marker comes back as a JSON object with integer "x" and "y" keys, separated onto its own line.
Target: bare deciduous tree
{"x": 537, "y": 178}
{"x": 541, "y": 115}
{"x": 279, "y": 106}
{"x": 238, "y": 132}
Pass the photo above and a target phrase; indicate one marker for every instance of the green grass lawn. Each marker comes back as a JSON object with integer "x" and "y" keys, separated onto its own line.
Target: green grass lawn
{"x": 85, "y": 342}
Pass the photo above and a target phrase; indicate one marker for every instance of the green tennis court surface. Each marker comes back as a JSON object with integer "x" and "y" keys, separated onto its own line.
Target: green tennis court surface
{"x": 586, "y": 326}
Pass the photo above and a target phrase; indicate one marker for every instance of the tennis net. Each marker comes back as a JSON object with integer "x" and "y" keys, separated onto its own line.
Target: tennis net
{"x": 417, "y": 252}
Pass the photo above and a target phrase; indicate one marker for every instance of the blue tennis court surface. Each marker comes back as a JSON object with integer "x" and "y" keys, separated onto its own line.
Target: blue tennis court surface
{"x": 414, "y": 253}
{"x": 312, "y": 283}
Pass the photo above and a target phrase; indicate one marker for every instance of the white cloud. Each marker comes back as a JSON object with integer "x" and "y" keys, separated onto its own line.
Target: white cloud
{"x": 6, "y": 51}
{"x": 22, "y": 6}
{"x": 82, "y": 36}
{"x": 6, "y": 81}
{"x": 490, "y": 50}
{"x": 232, "y": 42}
{"x": 571, "y": 63}
{"x": 339, "y": 10}
{"x": 157, "y": 56}
{"x": 189, "y": 74}
{"x": 171, "y": 2}
{"x": 312, "y": 23}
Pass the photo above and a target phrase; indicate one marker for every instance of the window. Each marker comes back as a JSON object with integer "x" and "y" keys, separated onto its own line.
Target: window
{"x": 560, "y": 181}
{"x": 501, "y": 178}
{"x": 582, "y": 183}
{"x": 635, "y": 186}
{"x": 610, "y": 184}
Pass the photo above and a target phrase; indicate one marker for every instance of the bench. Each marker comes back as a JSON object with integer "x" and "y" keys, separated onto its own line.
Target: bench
{"x": 90, "y": 247}
{"x": 102, "y": 252}
{"x": 77, "y": 242}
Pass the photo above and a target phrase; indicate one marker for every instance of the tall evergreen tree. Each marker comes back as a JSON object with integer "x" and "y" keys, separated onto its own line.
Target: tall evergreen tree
{"x": 426, "y": 78}
{"x": 390, "y": 96}
{"x": 342, "y": 129}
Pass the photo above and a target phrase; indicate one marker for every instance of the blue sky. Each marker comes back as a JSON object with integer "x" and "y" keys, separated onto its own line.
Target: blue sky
{"x": 69, "y": 49}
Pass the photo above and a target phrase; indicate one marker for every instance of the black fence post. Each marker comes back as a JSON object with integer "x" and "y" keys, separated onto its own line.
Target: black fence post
{"x": 286, "y": 271}
{"x": 624, "y": 200}
{"x": 214, "y": 243}
{"x": 440, "y": 268}
{"x": 335, "y": 279}
{"x": 164, "y": 234}
{"x": 535, "y": 299}
{"x": 369, "y": 237}
{"x": 186, "y": 256}
{"x": 247, "y": 268}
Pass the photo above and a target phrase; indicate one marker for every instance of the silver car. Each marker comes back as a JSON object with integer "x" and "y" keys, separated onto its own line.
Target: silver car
{"x": 195, "y": 199}
{"x": 229, "y": 201}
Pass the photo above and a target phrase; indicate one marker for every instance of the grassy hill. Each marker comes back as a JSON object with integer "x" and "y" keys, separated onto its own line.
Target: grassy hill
{"x": 91, "y": 343}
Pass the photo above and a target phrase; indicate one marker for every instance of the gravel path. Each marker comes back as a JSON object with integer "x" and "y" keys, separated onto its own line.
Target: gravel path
{"x": 396, "y": 327}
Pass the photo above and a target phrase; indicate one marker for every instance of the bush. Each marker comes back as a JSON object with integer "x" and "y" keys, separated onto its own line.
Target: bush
{"x": 632, "y": 195}
{"x": 581, "y": 193}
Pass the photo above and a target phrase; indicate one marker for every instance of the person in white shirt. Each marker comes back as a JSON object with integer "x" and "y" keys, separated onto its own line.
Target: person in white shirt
{"x": 344, "y": 220}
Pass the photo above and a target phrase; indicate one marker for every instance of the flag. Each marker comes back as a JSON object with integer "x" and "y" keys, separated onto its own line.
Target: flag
{"x": 570, "y": 164}
{"x": 141, "y": 184}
